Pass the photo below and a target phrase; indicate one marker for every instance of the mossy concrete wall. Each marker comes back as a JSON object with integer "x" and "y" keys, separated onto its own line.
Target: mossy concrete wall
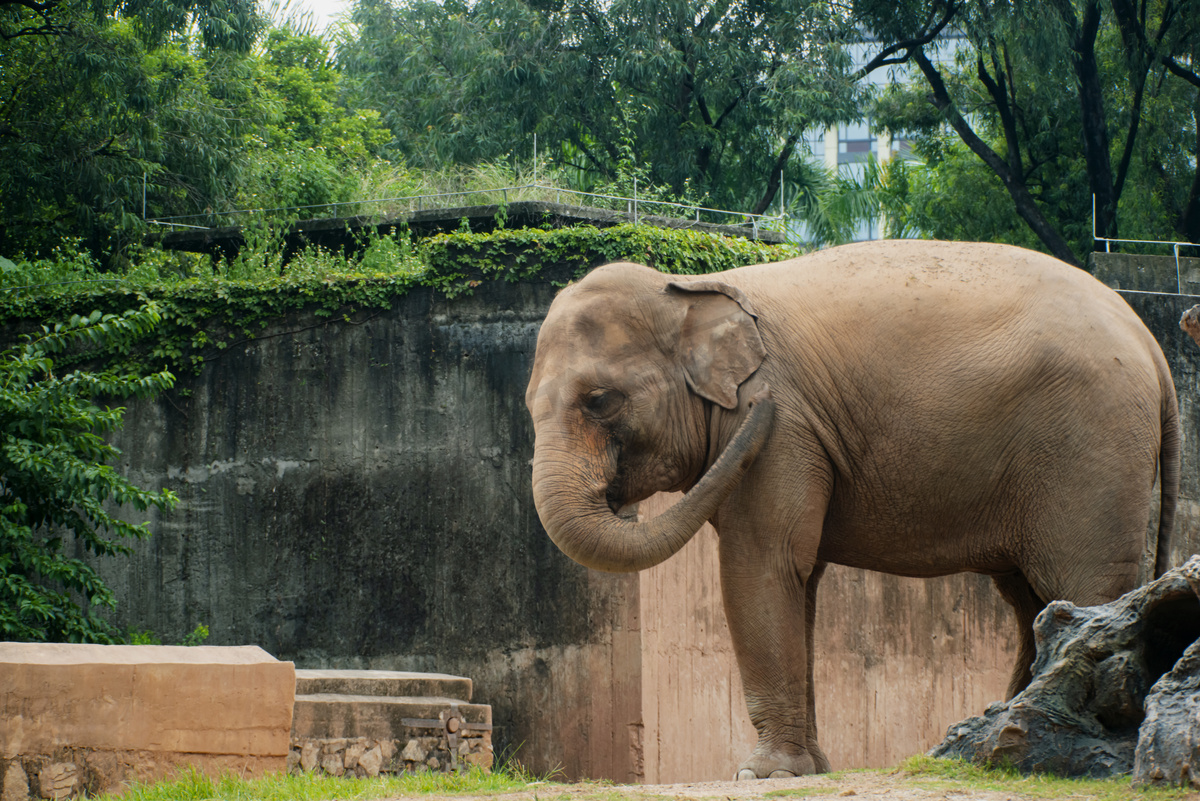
{"x": 358, "y": 495}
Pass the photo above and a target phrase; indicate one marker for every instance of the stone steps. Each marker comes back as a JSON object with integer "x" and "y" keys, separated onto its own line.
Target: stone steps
{"x": 382, "y": 682}
{"x": 367, "y": 722}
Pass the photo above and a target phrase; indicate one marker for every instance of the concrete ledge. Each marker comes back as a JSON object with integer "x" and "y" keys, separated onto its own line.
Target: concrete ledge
{"x": 1140, "y": 273}
{"x": 382, "y": 682}
{"x": 120, "y": 712}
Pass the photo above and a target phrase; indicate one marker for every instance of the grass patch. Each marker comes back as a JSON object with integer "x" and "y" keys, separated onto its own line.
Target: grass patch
{"x": 192, "y": 785}
{"x": 950, "y": 773}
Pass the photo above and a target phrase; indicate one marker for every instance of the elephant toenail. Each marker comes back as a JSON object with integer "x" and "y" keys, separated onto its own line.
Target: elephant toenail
{"x": 781, "y": 774}
{"x": 745, "y": 774}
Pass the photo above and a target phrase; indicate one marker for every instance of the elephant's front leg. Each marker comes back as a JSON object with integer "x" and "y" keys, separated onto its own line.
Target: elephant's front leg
{"x": 765, "y": 598}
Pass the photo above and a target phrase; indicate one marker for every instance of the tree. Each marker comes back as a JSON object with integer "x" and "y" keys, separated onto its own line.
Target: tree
{"x": 711, "y": 96}
{"x": 96, "y": 96}
{"x": 310, "y": 148}
{"x": 55, "y": 481}
{"x": 1052, "y": 98}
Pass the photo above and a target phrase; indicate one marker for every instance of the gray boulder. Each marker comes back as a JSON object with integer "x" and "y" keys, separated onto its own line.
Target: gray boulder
{"x": 1113, "y": 685}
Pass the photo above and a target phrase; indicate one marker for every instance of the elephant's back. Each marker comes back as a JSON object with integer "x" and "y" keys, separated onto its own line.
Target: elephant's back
{"x": 920, "y": 291}
{"x": 914, "y": 265}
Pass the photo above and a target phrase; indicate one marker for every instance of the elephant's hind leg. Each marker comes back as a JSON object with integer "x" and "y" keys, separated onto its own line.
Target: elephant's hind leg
{"x": 1016, "y": 590}
{"x": 810, "y": 616}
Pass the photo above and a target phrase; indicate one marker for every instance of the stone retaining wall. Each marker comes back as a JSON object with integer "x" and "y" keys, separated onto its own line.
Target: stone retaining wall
{"x": 364, "y": 757}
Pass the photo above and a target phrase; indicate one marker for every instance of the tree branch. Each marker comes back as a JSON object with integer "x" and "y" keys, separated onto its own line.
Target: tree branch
{"x": 910, "y": 46}
{"x": 996, "y": 89}
{"x": 1024, "y": 202}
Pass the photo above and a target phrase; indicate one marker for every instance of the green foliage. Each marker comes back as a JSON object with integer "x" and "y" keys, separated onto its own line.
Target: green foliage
{"x": 110, "y": 93}
{"x": 196, "y": 637}
{"x": 310, "y": 149}
{"x": 56, "y": 481}
{"x": 209, "y": 310}
{"x": 1050, "y": 103}
{"x": 707, "y": 100}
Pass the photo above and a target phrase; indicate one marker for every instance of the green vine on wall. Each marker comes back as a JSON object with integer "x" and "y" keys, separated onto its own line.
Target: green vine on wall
{"x": 205, "y": 315}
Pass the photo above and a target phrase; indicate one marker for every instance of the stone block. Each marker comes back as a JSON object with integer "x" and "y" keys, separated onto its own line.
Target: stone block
{"x": 309, "y": 754}
{"x": 16, "y": 783}
{"x": 354, "y": 753}
{"x": 394, "y": 683}
{"x": 198, "y": 700}
{"x": 328, "y": 716}
{"x": 372, "y": 761}
{"x": 58, "y": 780}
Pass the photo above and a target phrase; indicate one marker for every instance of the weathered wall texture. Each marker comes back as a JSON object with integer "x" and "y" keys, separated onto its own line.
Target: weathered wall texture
{"x": 359, "y": 496}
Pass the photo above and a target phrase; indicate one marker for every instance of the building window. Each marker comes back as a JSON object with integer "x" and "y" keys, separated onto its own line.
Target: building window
{"x": 855, "y": 143}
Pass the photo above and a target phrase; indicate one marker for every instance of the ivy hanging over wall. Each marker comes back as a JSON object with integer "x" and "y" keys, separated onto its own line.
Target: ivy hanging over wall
{"x": 214, "y": 307}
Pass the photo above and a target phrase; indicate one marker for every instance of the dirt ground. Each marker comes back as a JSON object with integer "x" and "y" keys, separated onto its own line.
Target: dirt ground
{"x": 857, "y": 785}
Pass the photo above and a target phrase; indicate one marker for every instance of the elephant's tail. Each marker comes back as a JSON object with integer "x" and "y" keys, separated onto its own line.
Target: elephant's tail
{"x": 1168, "y": 475}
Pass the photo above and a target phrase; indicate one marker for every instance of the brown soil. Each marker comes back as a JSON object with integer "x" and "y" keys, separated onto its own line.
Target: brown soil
{"x": 856, "y": 785}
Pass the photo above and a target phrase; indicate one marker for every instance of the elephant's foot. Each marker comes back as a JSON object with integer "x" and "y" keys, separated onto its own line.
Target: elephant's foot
{"x": 782, "y": 765}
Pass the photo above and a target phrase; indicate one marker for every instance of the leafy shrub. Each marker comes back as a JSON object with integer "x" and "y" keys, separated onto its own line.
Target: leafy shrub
{"x": 55, "y": 480}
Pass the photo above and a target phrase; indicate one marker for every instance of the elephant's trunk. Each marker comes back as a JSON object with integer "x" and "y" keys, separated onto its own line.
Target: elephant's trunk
{"x": 571, "y": 500}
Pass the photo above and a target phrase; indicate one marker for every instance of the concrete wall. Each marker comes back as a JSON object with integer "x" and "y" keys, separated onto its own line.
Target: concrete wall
{"x": 357, "y": 495}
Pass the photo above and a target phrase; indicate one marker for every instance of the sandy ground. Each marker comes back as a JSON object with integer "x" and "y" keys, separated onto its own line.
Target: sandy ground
{"x": 858, "y": 785}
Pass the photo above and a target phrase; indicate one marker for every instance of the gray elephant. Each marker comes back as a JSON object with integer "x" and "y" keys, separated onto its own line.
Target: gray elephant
{"x": 917, "y": 408}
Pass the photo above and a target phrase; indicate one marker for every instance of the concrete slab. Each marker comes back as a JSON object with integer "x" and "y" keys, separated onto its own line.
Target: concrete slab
{"x": 201, "y": 700}
{"x": 121, "y": 712}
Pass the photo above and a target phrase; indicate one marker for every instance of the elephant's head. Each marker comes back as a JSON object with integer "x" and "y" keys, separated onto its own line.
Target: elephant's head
{"x": 630, "y": 367}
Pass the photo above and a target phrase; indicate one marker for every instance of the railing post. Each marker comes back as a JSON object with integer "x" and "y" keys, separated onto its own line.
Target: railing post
{"x": 1178, "y": 279}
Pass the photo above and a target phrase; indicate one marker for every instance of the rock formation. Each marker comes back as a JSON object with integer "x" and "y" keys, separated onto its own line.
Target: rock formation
{"x": 1114, "y": 691}
{"x": 1190, "y": 322}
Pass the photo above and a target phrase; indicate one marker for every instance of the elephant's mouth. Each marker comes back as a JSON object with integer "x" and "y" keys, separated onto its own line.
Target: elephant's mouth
{"x": 620, "y": 504}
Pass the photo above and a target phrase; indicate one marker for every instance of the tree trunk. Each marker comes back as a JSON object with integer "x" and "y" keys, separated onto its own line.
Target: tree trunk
{"x": 773, "y": 179}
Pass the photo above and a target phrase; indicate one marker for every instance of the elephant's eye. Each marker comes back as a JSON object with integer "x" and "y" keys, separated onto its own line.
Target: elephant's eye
{"x": 602, "y": 402}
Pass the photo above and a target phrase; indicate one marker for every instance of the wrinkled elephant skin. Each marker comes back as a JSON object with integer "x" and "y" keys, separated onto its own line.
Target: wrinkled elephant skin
{"x": 916, "y": 408}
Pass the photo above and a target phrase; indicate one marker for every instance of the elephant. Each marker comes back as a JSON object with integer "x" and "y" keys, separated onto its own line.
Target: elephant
{"x": 913, "y": 407}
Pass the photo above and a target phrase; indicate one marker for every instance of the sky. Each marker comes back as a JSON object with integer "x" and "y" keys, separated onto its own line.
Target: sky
{"x": 324, "y": 11}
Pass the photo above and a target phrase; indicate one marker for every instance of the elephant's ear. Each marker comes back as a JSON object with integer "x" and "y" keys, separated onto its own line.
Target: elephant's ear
{"x": 719, "y": 344}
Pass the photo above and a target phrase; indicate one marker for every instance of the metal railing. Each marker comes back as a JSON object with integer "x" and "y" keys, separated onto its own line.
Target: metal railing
{"x": 1175, "y": 246}
{"x": 634, "y": 206}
